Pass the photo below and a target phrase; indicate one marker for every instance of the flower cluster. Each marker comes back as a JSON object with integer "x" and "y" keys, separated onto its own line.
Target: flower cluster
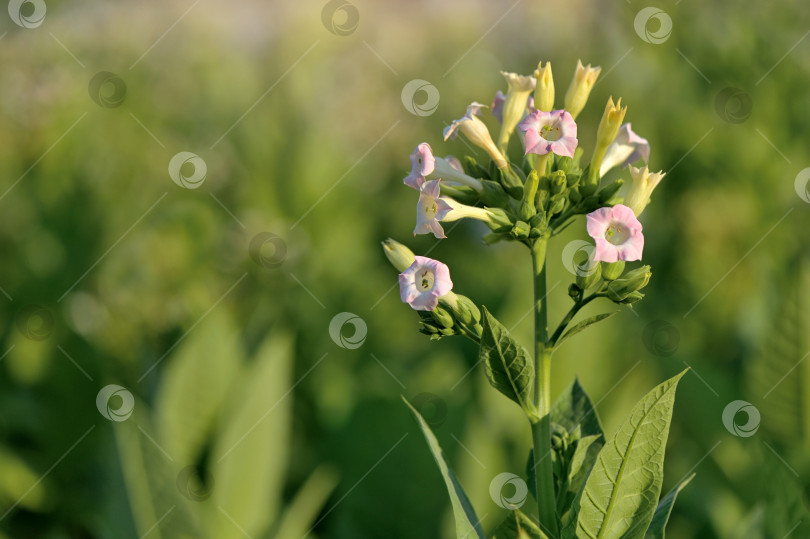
{"x": 534, "y": 199}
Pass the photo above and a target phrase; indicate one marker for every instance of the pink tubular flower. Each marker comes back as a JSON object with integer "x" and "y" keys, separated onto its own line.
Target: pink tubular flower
{"x": 422, "y": 164}
{"x": 617, "y": 233}
{"x": 421, "y": 285}
{"x": 431, "y": 209}
{"x": 626, "y": 149}
{"x": 546, "y": 132}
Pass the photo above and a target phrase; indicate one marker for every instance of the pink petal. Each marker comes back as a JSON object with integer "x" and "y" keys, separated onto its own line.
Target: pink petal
{"x": 605, "y": 251}
{"x": 625, "y": 215}
{"x": 414, "y": 181}
{"x": 597, "y": 223}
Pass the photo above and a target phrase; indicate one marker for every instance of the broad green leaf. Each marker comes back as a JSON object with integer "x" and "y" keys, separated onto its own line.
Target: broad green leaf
{"x": 249, "y": 457}
{"x": 582, "y": 461}
{"x": 508, "y": 366}
{"x": 467, "y": 523}
{"x": 515, "y": 522}
{"x": 574, "y": 408}
{"x": 195, "y": 382}
{"x": 664, "y": 509}
{"x": 621, "y": 492}
{"x": 150, "y": 478}
{"x": 584, "y": 324}
{"x": 300, "y": 515}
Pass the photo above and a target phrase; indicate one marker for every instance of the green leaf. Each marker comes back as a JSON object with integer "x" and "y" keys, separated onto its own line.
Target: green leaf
{"x": 573, "y": 408}
{"x": 585, "y": 454}
{"x": 467, "y": 523}
{"x": 584, "y": 324}
{"x": 507, "y": 365}
{"x": 308, "y": 501}
{"x": 249, "y": 457}
{"x": 150, "y": 478}
{"x": 516, "y": 522}
{"x": 664, "y": 509}
{"x": 622, "y": 490}
{"x": 195, "y": 383}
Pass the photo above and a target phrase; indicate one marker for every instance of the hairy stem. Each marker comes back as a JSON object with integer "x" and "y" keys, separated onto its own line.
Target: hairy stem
{"x": 541, "y": 429}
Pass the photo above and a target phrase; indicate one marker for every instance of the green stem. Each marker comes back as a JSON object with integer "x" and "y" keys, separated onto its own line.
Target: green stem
{"x": 568, "y": 317}
{"x": 541, "y": 429}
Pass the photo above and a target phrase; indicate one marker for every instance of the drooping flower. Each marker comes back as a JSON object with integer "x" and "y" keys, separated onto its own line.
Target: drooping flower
{"x": 644, "y": 182}
{"x": 580, "y": 88}
{"x": 544, "y": 92}
{"x": 514, "y": 105}
{"x": 433, "y": 208}
{"x": 546, "y": 132}
{"x": 625, "y": 149}
{"x": 476, "y": 132}
{"x": 422, "y": 164}
{"x": 421, "y": 285}
{"x": 617, "y": 234}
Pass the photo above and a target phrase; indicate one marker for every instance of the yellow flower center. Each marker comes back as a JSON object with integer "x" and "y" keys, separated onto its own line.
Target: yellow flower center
{"x": 617, "y": 233}
{"x": 551, "y": 132}
{"x": 425, "y": 280}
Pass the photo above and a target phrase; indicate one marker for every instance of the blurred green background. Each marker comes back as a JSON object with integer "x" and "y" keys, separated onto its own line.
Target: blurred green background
{"x": 212, "y": 306}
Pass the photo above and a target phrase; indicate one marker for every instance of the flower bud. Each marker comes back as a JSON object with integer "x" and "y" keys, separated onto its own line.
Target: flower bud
{"x": 586, "y": 279}
{"x": 612, "y": 271}
{"x": 527, "y": 209}
{"x": 609, "y": 126}
{"x": 476, "y": 132}
{"x": 544, "y": 91}
{"x": 644, "y": 182}
{"x": 633, "y": 281}
{"x": 398, "y": 255}
{"x": 575, "y": 292}
{"x": 514, "y": 105}
{"x": 580, "y": 88}
{"x": 521, "y": 230}
{"x": 442, "y": 317}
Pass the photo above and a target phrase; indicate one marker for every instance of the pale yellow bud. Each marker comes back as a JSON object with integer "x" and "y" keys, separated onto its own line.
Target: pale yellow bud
{"x": 544, "y": 91}
{"x": 580, "y": 88}
{"x": 644, "y": 183}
